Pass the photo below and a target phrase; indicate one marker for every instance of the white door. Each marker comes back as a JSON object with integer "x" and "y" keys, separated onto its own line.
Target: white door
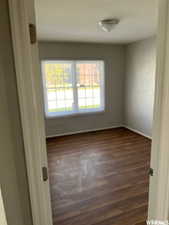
{"x": 159, "y": 182}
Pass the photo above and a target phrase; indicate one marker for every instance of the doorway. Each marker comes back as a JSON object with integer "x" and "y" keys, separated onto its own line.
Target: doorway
{"x": 98, "y": 106}
{"x": 44, "y": 160}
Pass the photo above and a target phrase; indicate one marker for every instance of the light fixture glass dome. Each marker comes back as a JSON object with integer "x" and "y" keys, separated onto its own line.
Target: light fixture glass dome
{"x": 108, "y": 24}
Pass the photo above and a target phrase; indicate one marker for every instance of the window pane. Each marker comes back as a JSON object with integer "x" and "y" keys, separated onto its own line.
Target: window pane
{"x": 51, "y": 95}
{"x": 59, "y": 89}
{"x": 51, "y": 105}
{"x": 89, "y": 75}
{"x": 73, "y": 86}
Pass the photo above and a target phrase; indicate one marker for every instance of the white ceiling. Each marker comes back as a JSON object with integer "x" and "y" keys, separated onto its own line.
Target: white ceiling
{"x": 77, "y": 20}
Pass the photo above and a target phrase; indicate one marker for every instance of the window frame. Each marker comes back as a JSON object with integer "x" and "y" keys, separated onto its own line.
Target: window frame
{"x": 76, "y": 111}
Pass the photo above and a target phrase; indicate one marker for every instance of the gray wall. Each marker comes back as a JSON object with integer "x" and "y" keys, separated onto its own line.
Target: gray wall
{"x": 139, "y": 85}
{"x": 13, "y": 180}
{"x": 114, "y": 56}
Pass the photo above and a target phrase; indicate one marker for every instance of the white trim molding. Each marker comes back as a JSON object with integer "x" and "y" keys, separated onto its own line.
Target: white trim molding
{"x": 159, "y": 182}
{"x": 83, "y": 131}
{"x": 30, "y": 102}
{"x": 138, "y": 132}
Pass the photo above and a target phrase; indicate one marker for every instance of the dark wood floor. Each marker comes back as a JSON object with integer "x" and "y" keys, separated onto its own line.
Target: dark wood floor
{"x": 99, "y": 178}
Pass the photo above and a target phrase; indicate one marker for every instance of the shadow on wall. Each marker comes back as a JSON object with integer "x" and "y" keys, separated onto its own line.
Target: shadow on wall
{"x": 140, "y": 85}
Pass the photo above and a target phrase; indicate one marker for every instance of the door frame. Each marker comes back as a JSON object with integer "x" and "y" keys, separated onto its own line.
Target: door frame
{"x": 159, "y": 183}
{"x": 31, "y": 108}
{"x": 32, "y": 116}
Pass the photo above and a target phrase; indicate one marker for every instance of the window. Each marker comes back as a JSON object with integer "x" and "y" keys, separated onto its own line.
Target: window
{"x": 72, "y": 87}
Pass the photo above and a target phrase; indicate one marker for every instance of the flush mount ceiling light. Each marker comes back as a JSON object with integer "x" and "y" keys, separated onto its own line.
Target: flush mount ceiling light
{"x": 108, "y": 24}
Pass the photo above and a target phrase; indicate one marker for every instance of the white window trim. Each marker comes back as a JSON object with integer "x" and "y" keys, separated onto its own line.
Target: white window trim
{"x": 76, "y": 111}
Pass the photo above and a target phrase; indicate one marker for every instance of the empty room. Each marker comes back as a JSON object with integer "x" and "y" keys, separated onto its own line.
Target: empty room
{"x": 84, "y": 92}
{"x": 98, "y": 62}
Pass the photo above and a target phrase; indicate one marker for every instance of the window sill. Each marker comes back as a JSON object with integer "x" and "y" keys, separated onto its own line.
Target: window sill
{"x": 79, "y": 114}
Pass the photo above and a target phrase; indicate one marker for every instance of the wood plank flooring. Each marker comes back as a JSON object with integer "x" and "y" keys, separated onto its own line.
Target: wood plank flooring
{"x": 99, "y": 178}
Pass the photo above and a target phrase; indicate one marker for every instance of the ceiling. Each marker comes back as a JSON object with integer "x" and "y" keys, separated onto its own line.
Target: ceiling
{"x": 77, "y": 20}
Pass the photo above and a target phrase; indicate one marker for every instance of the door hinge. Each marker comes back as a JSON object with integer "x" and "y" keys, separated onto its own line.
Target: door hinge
{"x": 45, "y": 173}
{"x": 151, "y": 172}
{"x": 32, "y": 32}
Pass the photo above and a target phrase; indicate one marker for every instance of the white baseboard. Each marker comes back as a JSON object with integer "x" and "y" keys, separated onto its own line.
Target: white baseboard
{"x": 137, "y": 131}
{"x": 98, "y": 129}
{"x": 82, "y": 131}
